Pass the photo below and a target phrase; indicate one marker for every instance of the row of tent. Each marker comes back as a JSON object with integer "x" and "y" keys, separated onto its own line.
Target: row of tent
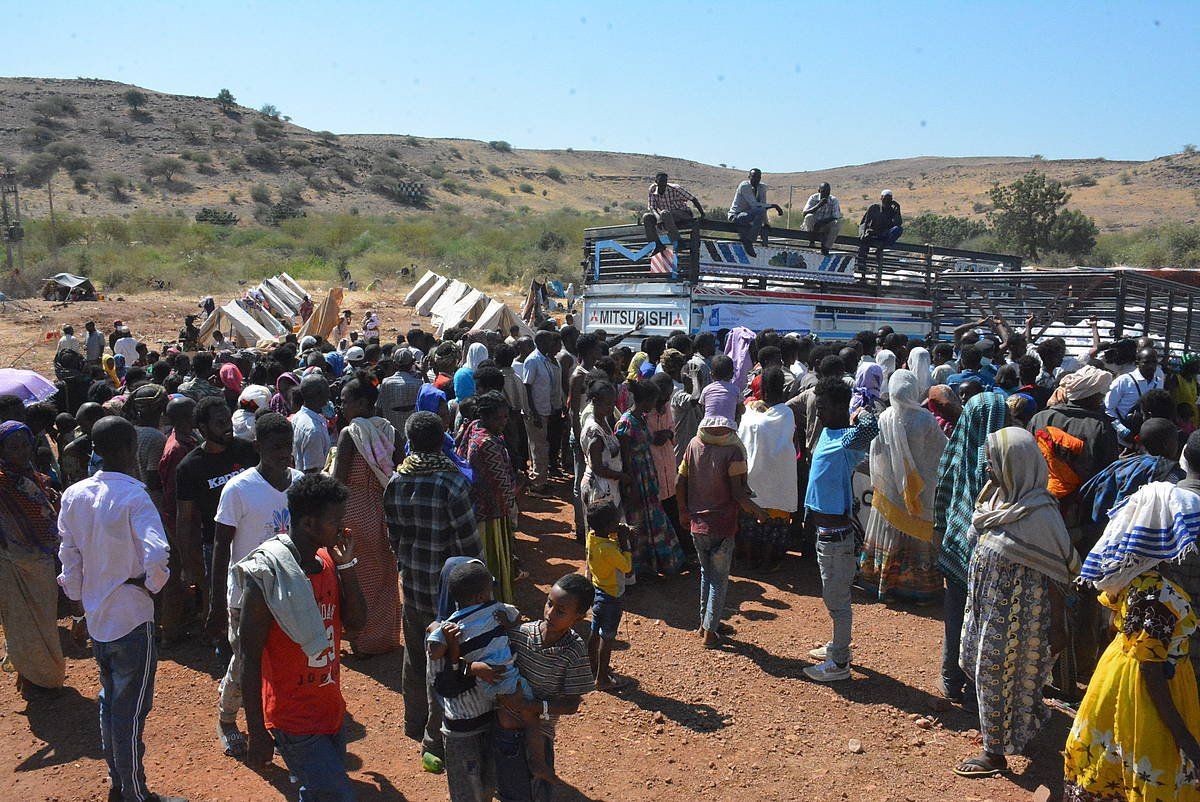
{"x": 257, "y": 319}
{"x": 449, "y": 303}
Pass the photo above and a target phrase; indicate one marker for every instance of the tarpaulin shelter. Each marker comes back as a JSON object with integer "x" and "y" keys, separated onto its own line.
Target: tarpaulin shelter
{"x": 498, "y": 317}
{"x": 425, "y": 304}
{"x": 268, "y": 321}
{"x": 452, "y": 294}
{"x": 68, "y": 287}
{"x": 467, "y": 308}
{"x": 420, "y": 288}
{"x": 292, "y": 285}
{"x": 240, "y": 325}
{"x": 535, "y": 301}
{"x": 323, "y": 319}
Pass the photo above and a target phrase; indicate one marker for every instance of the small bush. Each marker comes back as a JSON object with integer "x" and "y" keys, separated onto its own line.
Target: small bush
{"x": 80, "y": 180}
{"x": 343, "y": 169}
{"x": 115, "y": 184}
{"x": 269, "y": 110}
{"x": 554, "y": 174}
{"x": 164, "y": 167}
{"x": 56, "y": 106}
{"x": 235, "y": 163}
{"x": 135, "y": 99}
{"x": 456, "y": 153}
{"x": 453, "y": 187}
{"x": 262, "y": 157}
{"x": 500, "y": 145}
{"x": 412, "y": 141}
{"x": 260, "y": 193}
{"x": 435, "y": 171}
{"x": 526, "y": 188}
{"x": 292, "y": 193}
{"x": 496, "y": 171}
{"x": 37, "y": 136}
{"x": 268, "y": 130}
{"x": 392, "y": 153}
{"x": 327, "y": 136}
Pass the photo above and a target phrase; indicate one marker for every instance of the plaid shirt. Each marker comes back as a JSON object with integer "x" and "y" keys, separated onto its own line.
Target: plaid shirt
{"x": 398, "y": 398}
{"x": 676, "y": 197}
{"x": 430, "y": 519}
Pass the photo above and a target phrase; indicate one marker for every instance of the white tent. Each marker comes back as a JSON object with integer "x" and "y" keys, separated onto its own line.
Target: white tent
{"x": 498, "y": 317}
{"x": 452, "y": 294}
{"x": 420, "y": 288}
{"x": 274, "y": 300}
{"x": 425, "y": 305}
{"x": 240, "y": 325}
{"x": 292, "y": 285}
{"x": 268, "y": 321}
{"x": 467, "y": 308}
{"x": 285, "y": 292}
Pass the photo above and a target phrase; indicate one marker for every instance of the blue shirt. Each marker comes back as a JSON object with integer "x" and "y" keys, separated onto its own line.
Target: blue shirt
{"x": 837, "y": 454}
{"x": 985, "y": 380}
{"x": 464, "y": 383}
{"x": 429, "y": 398}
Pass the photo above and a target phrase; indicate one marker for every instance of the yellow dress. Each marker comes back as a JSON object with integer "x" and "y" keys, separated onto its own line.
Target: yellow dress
{"x": 1119, "y": 750}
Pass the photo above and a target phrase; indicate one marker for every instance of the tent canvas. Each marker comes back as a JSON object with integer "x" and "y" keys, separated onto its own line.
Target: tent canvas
{"x": 292, "y": 285}
{"x": 244, "y": 329}
{"x": 425, "y": 305}
{"x": 62, "y": 286}
{"x": 420, "y": 288}
{"x": 466, "y": 308}
{"x": 285, "y": 293}
{"x": 321, "y": 322}
{"x": 280, "y": 304}
{"x": 268, "y": 321}
{"x": 451, "y": 296}
{"x": 498, "y": 317}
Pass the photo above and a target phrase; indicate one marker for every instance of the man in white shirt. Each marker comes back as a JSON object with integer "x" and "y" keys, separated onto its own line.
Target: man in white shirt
{"x": 1128, "y": 388}
{"x": 126, "y": 346}
{"x": 310, "y": 441}
{"x": 822, "y": 217}
{"x": 253, "y": 509}
{"x": 68, "y": 341}
{"x": 749, "y": 210}
{"x": 114, "y": 558}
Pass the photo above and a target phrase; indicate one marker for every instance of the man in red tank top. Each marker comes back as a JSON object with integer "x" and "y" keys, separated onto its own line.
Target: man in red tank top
{"x": 295, "y": 693}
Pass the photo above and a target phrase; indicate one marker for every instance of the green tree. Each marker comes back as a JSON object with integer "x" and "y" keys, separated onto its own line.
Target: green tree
{"x": 135, "y": 99}
{"x": 1024, "y": 212}
{"x": 226, "y": 100}
{"x": 164, "y": 167}
{"x": 1073, "y": 233}
{"x": 946, "y": 231}
{"x": 269, "y": 110}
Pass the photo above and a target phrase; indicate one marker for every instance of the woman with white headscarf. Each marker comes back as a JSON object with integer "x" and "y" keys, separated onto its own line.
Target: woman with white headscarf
{"x": 464, "y": 377}
{"x": 1135, "y": 735}
{"x": 898, "y": 553}
{"x": 919, "y": 364}
{"x": 1021, "y": 569}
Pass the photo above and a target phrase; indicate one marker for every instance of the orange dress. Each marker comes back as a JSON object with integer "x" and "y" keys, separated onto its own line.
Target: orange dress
{"x": 377, "y": 572}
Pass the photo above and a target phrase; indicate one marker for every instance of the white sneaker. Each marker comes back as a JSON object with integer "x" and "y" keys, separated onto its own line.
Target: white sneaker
{"x": 820, "y": 653}
{"x": 828, "y": 671}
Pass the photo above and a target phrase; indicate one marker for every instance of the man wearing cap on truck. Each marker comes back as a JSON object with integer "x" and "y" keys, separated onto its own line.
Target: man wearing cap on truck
{"x": 880, "y": 227}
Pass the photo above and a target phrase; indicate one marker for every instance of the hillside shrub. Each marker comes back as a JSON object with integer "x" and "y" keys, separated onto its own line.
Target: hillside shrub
{"x": 260, "y": 193}
{"x": 135, "y": 99}
{"x": 262, "y": 157}
{"x": 526, "y": 188}
{"x": 554, "y": 174}
{"x": 500, "y": 145}
{"x": 164, "y": 167}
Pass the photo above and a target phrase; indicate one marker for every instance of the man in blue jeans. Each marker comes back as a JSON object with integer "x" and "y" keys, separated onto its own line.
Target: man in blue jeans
{"x": 881, "y": 227}
{"x": 749, "y": 210}
{"x": 829, "y": 500}
{"x": 114, "y": 558}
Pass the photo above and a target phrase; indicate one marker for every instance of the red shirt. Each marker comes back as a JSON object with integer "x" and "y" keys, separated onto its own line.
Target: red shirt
{"x": 173, "y": 453}
{"x": 303, "y": 696}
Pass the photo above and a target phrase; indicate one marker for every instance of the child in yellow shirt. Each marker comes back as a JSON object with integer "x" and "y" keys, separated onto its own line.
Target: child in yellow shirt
{"x": 608, "y": 561}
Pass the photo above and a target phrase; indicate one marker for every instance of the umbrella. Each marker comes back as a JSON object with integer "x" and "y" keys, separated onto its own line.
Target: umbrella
{"x": 27, "y": 385}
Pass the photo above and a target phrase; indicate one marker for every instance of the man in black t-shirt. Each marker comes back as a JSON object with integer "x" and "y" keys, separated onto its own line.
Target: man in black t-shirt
{"x": 199, "y": 479}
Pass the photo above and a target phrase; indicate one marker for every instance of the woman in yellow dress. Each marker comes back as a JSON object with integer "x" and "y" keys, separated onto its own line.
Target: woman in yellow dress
{"x": 1135, "y": 736}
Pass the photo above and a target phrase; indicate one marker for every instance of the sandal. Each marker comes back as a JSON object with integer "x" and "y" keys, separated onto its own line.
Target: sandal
{"x": 979, "y": 766}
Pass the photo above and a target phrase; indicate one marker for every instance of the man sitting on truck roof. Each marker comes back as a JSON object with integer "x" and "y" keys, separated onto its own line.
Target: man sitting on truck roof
{"x": 880, "y": 227}
{"x": 822, "y": 217}
{"x": 666, "y": 204}
{"x": 749, "y": 210}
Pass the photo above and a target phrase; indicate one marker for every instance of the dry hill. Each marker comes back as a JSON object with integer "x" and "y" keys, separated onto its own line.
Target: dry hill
{"x": 224, "y": 154}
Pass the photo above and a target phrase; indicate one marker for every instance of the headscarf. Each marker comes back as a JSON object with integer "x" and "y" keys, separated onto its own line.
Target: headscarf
{"x": 147, "y": 396}
{"x": 375, "y": 439}
{"x": 945, "y": 405}
{"x": 109, "y": 363}
{"x": 477, "y": 353}
{"x": 231, "y": 377}
{"x": 27, "y": 502}
{"x": 707, "y": 436}
{"x": 919, "y": 364}
{"x": 253, "y": 398}
{"x": 280, "y": 402}
{"x": 905, "y": 453}
{"x": 1016, "y": 517}
{"x": 336, "y": 362}
{"x": 9, "y": 428}
{"x": 886, "y": 360}
{"x": 960, "y": 478}
{"x": 1085, "y": 383}
{"x": 868, "y": 382}
{"x": 635, "y": 366}
{"x": 1158, "y": 522}
{"x": 119, "y": 367}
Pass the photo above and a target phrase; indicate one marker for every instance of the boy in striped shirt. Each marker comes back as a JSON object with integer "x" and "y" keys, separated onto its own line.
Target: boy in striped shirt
{"x": 473, "y": 670}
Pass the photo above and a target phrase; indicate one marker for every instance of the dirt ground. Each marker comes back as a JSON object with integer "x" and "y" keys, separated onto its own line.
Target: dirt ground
{"x": 739, "y": 723}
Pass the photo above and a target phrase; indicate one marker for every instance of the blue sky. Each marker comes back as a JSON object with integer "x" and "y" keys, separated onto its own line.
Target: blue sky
{"x": 785, "y": 86}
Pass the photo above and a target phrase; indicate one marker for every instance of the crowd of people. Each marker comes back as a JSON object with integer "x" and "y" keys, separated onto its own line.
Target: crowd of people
{"x": 275, "y": 502}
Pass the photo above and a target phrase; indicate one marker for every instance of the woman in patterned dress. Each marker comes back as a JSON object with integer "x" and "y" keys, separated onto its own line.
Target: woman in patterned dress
{"x": 368, "y": 450}
{"x": 1022, "y": 564}
{"x": 655, "y": 547}
{"x": 494, "y": 488}
{"x": 1135, "y": 736}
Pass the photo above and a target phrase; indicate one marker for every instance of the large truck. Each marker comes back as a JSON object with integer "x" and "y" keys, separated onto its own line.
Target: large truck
{"x": 710, "y": 282}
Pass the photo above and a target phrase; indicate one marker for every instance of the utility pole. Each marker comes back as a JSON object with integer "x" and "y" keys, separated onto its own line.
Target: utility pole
{"x": 10, "y": 220}
{"x": 789, "y": 214}
{"x": 53, "y": 227}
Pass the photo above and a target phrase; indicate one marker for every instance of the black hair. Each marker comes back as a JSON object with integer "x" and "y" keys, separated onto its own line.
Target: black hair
{"x": 654, "y": 345}
{"x": 1157, "y": 404}
{"x": 111, "y": 434}
{"x": 159, "y": 372}
{"x": 603, "y": 516}
{"x": 206, "y": 406}
{"x": 313, "y": 493}
{"x": 602, "y": 386}
{"x": 202, "y": 364}
{"x": 943, "y": 349}
{"x": 769, "y": 353}
{"x": 579, "y": 588}
{"x": 850, "y": 357}
{"x": 643, "y": 391}
{"x": 831, "y": 367}
{"x": 135, "y": 376}
{"x": 722, "y": 367}
{"x": 773, "y": 382}
{"x": 489, "y": 403}
{"x": 705, "y": 339}
{"x": 681, "y": 343}
{"x": 587, "y": 343}
{"x": 868, "y": 339}
{"x": 468, "y": 581}
{"x": 362, "y": 388}
{"x": 312, "y": 385}
{"x": 1028, "y": 367}
{"x": 833, "y": 390}
{"x": 424, "y": 431}
{"x": 1007, "y": 377}
{"x": 488, "y": 378}
{"x": 1191, "y": 450}
{"x": 271, "y": 424}
{"x": 505, "y": 354}
{"x": 545, "y": 337}
{"x": 970, "y": 357}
